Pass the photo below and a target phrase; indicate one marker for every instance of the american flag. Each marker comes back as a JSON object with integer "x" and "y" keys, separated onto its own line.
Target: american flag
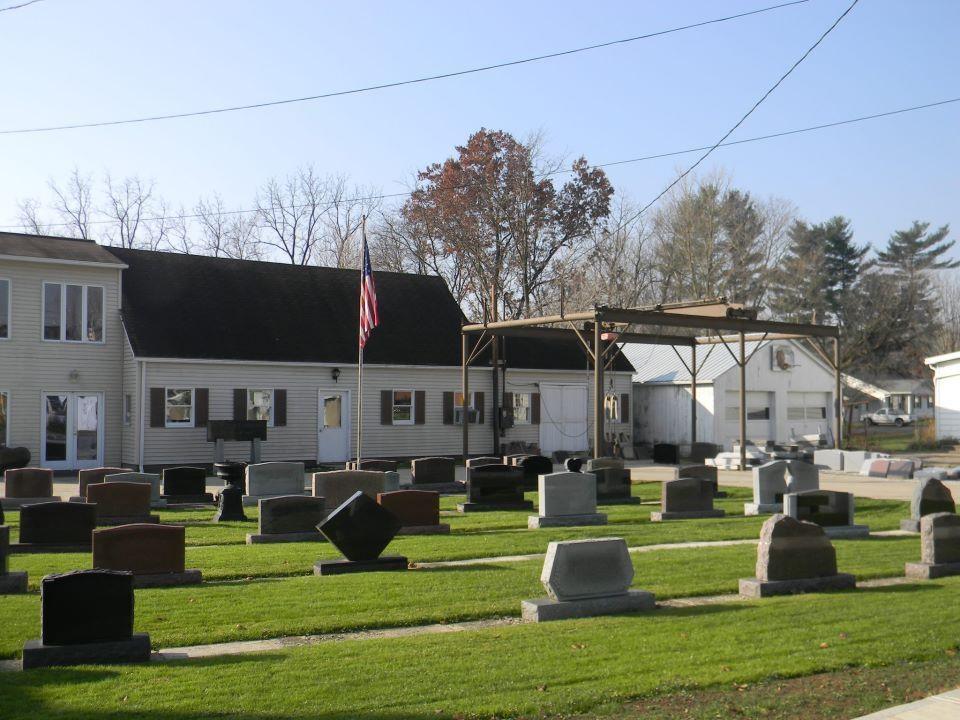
{"x": 368, "y": 298}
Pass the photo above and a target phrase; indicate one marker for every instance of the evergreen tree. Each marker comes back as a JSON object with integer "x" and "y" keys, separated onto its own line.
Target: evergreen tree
{"x": 746, "y": 267}
{"x": 800, "y": 285}
{"x": 845, "y": 265}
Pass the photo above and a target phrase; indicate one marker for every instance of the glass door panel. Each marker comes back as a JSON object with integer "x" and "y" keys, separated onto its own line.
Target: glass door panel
{"x": 88, "y": 427}
{"x": 55, "y": 436}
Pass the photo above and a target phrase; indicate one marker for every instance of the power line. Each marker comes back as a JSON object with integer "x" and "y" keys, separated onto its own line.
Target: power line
{"x": 21, "y": 5}
{"x": 612, "y": 163}
{"x": 749, "y": 112}
{"x": 398, "y": 83}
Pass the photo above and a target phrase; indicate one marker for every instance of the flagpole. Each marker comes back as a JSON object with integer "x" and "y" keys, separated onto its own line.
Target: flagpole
{"x": 363, "y": 238}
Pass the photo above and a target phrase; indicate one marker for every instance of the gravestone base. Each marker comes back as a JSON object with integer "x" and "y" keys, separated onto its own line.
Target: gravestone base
{"x": 128, "y": 520}
{"x": 928, "y": 571}
{"x": 155, "y": 580}
{"x": 204, "y": 499}
{"x": 846, "y": 532}
{"x": 618, "y": 500}
{"x": 29, "y": 548}
{"x": 492, "y": 507}
{"x": 38, "y": 655}
{"x": 441, "y": 529}
{"x": 535, "y": 521}
{"x": 547, "y": 609}
{"x": 13, "y": 583}
{"x": 762, "y": 508}
{"x": 309, "y": 536}
{"x": 14, "y": 503}
{"x": 252, "y": 500}
{"x": 659, "y": 516}
{"x": 755, "y": 588}
{"x": 910, "y": 525}
{"x": 342, "y": 566}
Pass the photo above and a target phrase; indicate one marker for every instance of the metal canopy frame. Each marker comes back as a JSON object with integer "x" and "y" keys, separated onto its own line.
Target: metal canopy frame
{"x": 603, "y": 330}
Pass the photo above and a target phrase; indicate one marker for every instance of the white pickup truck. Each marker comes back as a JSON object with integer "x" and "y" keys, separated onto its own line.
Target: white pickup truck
{"x": 888, "y": 416}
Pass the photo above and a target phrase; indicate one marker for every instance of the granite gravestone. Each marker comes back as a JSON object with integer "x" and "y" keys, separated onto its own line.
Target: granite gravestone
{"x": 373, "y": 465}
{"x": 155, "y": 554}
{"x": 230, "y": 504}
{"x": 495, "y": 487}
{"x": 56, "y": 526}
{"x": 185, "y": 485}
{"x": 802, "y": 476}
{"x": 704, "y": 472}
{"x": 686, "y": 498}
{"x": 151, "y": 479}
{"x": 613, "y": 481}
{"x": 831, "y": 510}
{"x": 86, "y": 618}
{"x": 10, "y": 582}
{"x": 477, "y": 462}
{"x": 361, "y": 529}
{"x": 769, "y": 487}
{"x": 829, "y": 459}
{"x": 701, "y": 451}
{"x": 91, "y": 476}
{"x": 533, "y": 467}
{"x": 121, "y": 503}
{"x": 584, "y": 578}
{"x": 939, "y": 547}
{"x": 289, "y": 518}
{"x": 878, "y": 468}
{"x": 23, "y": 486}
{"x": 566, "y": 499}
{"x": 929, "y": 496}
{"x": 793, "y": 557}
{"x": 418, "y": 510}
{"x": 666, "y": 453}
{"x": 337, "y": 485}
{"x": 273, "y": 479}
{"x": 901, "y": 468}
{"x": 433, "y": 471}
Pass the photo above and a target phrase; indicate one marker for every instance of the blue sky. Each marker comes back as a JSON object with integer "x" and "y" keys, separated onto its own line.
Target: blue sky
{"x": 80, "y": 60}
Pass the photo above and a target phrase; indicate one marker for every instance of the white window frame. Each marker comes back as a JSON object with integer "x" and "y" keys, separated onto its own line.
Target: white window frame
{"x": 529, "y": 418}
{"x": 9, "y": 283}
{"x": 458, "y": 408}
{"x": 83, "y": 313}
{"x": 5, "y": 438}
{"x": 273, "y": 402}
{"x": 393, "y": 406}
{"x": 193, "y": 407}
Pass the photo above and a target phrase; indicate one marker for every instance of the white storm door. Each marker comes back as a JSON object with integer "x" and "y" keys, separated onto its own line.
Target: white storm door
{"x": 72, "y": 430}
{"x": 333, "y": 426}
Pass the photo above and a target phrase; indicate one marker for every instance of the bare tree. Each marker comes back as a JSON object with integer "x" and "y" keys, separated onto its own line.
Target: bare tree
{"x": 340, "y": 244}
{"x": 293, "y": 213}
{"x": 947, "y": 291}
{"x": 243, "y": 241}
{"x": 127, "y": 203}
{"x": 31, "y": 216}
{"x": 73, "y": 203}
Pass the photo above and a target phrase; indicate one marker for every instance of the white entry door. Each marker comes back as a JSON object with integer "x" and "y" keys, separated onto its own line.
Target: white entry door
{"x": 333, "y": 426}
{"x": 563, "y": 418}
{"x": 72, "y": 430}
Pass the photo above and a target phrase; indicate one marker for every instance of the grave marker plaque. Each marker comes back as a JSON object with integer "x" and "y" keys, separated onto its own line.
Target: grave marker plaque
{"x": 361, "y": 529}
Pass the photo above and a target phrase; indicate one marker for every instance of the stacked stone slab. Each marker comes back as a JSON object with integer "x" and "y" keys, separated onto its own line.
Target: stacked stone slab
{"x": 336, "y": 486}
{"x": 686, "y": 498}
{"x": 495, "y": 487}
{"x": 56, "y": 527}
{"x": 585, "y": 578}
{"x": 566, "y": 499}
{"x": 121, "y": 503}
{"x": 185, "y": 485}
{"x": 418, "y": 510}
{"x": 868, "y": 458}
{"x": 831, "y": 510}
{"x": 86, "y": 619}
{"x": 24, "y": 486}
{"x": 433, "y": 471}
{"x": 91, "y": 476}
{"x": 902, "y": 468}
{"x": 829, "y": 459}
{"x": 929, "y": 496}
{"x": 273, "y": 479}
{"x": 151, "y": 479}
{"x": 935, "y": 473}
{"x": 613, "y": 481}
{"x": 289, "y": 518}
{"x": 666, "y": 453}
{"x": 155, "y": 554}
{"x": 794, "y": 557}
{"x": 939, "y": 547}
{"x": 10, "y": 582}
{"x": 361, "y": 529}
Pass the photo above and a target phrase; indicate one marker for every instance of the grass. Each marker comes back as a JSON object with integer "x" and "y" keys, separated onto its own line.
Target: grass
{"x": 524, "y": 670}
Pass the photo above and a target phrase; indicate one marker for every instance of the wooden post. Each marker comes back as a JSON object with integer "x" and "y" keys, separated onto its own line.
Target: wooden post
{"x": 464, "y": 407}
{"x": 838, "y": 400}
{"x": 743, "y": 403}
{"x": 693, "y": 395}
{"x": 597, "y": 390}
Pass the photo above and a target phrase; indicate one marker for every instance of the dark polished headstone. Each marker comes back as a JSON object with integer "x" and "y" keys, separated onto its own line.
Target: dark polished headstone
{"x": 374, "y": 465}
{"x": 290, "y": 514}
{"x": 360, "y": 528}
{"x": 10, "y": 582}
{"x": 58, "y": 523}
{"x": 666, "y": 453}
{"x": 824, "y": 507}
{"x": 187, "y": 484}
{"x": 495, "y": 487}
{"x": 86, "y": 606}
{"x": 704, "y": 472}
{"x": 230, "y": 506}
{"x": 433, "y": 471}
{"x": 143, "y": 549}
{"x": 533, "y": 467}
{"x": 700, "y": 451}
{"x": 613, "y": 485}
{"x": 414, "y": 508}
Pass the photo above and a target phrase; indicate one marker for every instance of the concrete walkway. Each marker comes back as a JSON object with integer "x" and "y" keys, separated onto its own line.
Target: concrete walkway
{"x": 936, "y": 707}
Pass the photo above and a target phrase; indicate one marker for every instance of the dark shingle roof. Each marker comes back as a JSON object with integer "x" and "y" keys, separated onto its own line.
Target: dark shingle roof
{"x": 192, "y": 306}
{"x": 43, "y": 247}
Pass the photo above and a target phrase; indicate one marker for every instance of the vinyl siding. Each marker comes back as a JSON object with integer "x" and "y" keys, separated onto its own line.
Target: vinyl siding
{"x": 947, "y": 399}
{"x": 130, "y": 386}
{"x": 663, "y": 413}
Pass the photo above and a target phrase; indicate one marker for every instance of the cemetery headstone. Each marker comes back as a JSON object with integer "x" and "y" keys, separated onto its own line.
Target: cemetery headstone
{"x": 361, "y": 529}
{"x": 666, "y": 453}
{"x": 533, "y": 467}
{"x": 86, "y": 618}
{"x": 230, "y": 504}
{"x": 418, "y": 510}
{"x": 702, "y": 451}
{"x": 373, "y": 465}
{"x": 10, "y": 582}
{"x": 704, "y": 472}
{"x": 23, "y": 486}
{"x": 831, "y": 510}
{"x": 336, "y": 486}
{"x": 769, "y": 487}
{"x": 151, "y": 479}
{"x": 514, "y": 459}
{"x": 936, "y": 473}
{"x": 273, "y": 479}
{"x": 878, "y": 468}
{"x": 433, "y": 471}
{"x": 901, "y": 468}
{"x": 686, "y": 498}
{"x": 56, "y": 527}
{"x": 929, "y": 496}
{"x": 794, "y": 556}
{"x": 613, "y": 481}
{"x": 566, "y": 499}
{"x": 495, "y": 487}
{"x": 91, "y": 476}
{"x": 477, "y": 462}
{"x": 185, "y": 485}
{"x": 939, "y": 547}
{"x": 584, "y": 578}
{"x": 121, "y": 503}
{"x": 829, "y": 459}
{"x": 289, "y": 518}
{"x": 155, "y": 554}
{"x": 802, "y": 476}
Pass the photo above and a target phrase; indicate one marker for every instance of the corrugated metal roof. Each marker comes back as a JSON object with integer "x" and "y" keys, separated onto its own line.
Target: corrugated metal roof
{"x": 660, "y": 364}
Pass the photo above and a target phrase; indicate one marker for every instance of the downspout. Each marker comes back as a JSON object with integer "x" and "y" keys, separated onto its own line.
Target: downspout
{"x": 140, "y": 407}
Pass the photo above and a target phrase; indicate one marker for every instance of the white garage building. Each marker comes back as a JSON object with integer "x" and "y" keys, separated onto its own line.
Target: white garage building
{"x": 790, "y": 392}
{"x": 946, "y": 394}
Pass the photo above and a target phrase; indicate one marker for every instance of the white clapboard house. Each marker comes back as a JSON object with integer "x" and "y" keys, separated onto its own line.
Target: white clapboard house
{"x": 946, "y": 394}
{"x": 790, "y": 393}
{"x": 114, "y": 356}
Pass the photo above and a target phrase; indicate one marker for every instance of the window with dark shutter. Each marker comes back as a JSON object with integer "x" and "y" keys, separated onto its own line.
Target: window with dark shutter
{"x": 201, "y": 402}
{"x": 157, "y": 408}
{"x": 386, "y": 407}
{"x": 625, "y": 407}
{"x": 478, "y": 398}
{"x": 420, "y": 407}
{"x": 448, "y": 408}
{"x": 240, "y": 404}
{"x": 535, "y": 408}
{"x": 279, "y": 408}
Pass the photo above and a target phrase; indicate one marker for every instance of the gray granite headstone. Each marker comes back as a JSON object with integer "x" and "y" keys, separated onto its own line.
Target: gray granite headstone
{"x": 828, "y": 459}
{"x": 274, "y": 478}
{"x": 152, "y": 479}
{"x": 802, "y": 476}
{"x": 687, "y": 495}
{"x": 791, "y": 549}
{"x": 769, "y": 483}
{"x": 290, "y": 514}
{"x": 939, "y": 547}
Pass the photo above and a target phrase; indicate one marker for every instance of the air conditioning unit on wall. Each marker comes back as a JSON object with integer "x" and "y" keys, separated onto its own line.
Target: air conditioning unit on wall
{"x": 782, "y": 358}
